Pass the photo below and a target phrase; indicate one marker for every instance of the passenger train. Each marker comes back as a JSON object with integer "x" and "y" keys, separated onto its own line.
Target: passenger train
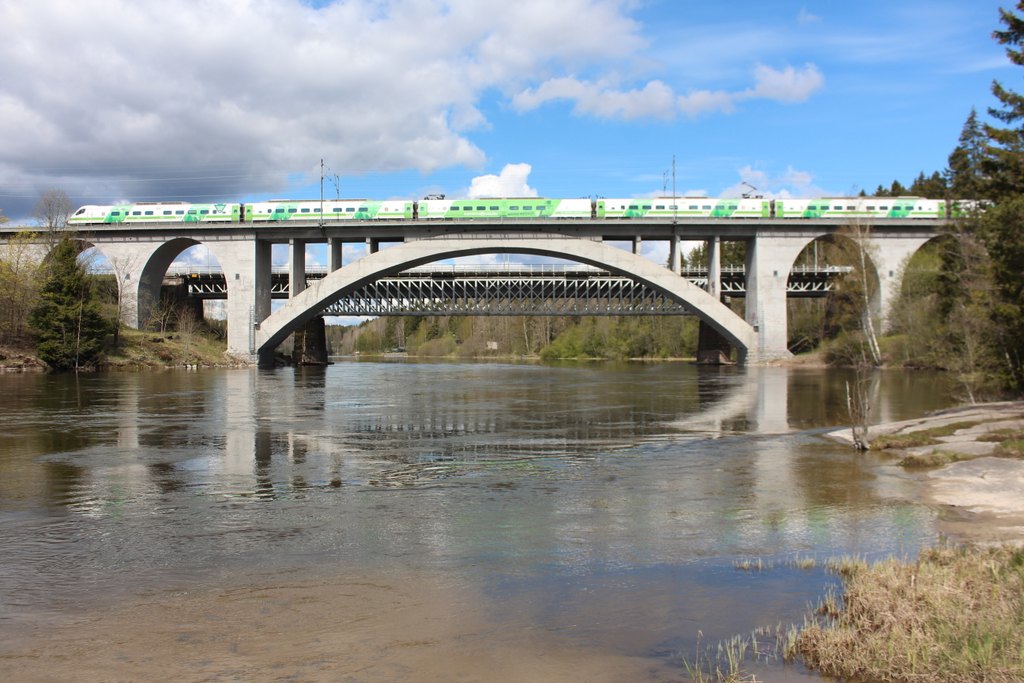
{"x": 437, "y": 208}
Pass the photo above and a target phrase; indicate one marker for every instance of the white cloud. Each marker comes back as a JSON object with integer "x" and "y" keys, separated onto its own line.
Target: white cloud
{"x": 791, "y": 183}
{"x": 789, "y": 85}
{"x": 657, "y": 100}
{"x": 182, "y": 99}
{"x": 511, "y": 182}
{"x": 805, "y": 17}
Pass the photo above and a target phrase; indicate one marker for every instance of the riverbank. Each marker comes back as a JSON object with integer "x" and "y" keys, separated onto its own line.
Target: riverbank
{"x": 136, "y": 350}
{"x": 971, "y": 463}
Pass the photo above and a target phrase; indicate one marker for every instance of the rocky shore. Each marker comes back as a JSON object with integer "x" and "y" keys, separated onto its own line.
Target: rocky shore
{"x": 971, "y": 463}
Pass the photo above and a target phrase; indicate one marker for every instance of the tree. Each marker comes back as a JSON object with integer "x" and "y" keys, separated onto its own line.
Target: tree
{"x": 53, "y": 210}
{"x": 1006, "y": 145}
{"x": 69, "y": 327}
{"x": 965, "y": 176}
{"x": 20, "y": 266}
{"x": 1002, "y": 225}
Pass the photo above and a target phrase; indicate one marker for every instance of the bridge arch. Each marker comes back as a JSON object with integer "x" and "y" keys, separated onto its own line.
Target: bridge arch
{"x": 306, "y": 305}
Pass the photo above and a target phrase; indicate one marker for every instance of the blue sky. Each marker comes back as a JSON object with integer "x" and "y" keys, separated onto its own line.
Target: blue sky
{"x": 240, "y": 100}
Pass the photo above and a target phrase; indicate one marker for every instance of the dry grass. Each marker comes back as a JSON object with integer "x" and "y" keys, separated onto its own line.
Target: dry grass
{"x": 920, "y": 437}
{"x": 953, "y": 615}
{"x": 933, "y": 459}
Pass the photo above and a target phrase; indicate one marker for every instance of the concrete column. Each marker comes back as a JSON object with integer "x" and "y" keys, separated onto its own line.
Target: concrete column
{"x": 296, "y": 267}
{"x": 129, "y": 261}
{"x": 890, "y": 254}
{"x": 638, "y": 243}
{"x": 769, "y": 260}
{"x": 675, "y": 254}
{"x": 247, "y": 268}
{"x": 714, "y": 250}
{"x": 334, "y": 251}
{"x": 372, "y": 245}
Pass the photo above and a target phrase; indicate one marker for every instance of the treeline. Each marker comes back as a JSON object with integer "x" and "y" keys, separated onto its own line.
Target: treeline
{"x": 615, "y": 337}
{"x": 962, "y": 303}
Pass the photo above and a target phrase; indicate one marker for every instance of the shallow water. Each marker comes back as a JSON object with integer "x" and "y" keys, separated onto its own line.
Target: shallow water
{"x": 601, "y": 506}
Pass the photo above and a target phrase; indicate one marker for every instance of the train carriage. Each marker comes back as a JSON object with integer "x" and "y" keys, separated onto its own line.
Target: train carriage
{"x": 685, "y": 207}
{"x": 157, "y": 212}
{"x": 515, "y": 208}
{"x": 860, "y": 207}
{"x": 329, "y": 210}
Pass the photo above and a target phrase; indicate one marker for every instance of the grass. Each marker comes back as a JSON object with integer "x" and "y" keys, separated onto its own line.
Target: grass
{"x": 955, "y": 614}
{"x": 921, "y": 437}
{"x": 933, "y": 459}
{"x": 142, "y": 349}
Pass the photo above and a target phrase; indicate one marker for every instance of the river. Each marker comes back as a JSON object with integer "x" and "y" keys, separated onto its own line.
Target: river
{"x": 378, "y": 521}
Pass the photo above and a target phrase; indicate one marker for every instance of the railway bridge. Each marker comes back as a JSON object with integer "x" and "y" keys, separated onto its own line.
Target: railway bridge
{"x": 141, "y": 255}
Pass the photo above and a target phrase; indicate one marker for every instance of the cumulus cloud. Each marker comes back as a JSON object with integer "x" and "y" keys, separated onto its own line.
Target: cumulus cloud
{"x": 791, "y": 183}
{"x": 511, "y": 182}
{"x": 657, "y": 100}
{"x": 178, "y": 99}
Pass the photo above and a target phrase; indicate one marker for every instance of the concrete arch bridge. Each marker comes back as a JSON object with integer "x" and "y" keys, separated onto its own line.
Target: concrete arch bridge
{"x": 141, "y": 256}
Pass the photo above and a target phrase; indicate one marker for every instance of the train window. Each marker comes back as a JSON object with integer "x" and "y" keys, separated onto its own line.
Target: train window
{"x": 349, "y": 209}
{"x": 204, "y": 211}
{"x": 851, "y": 208}
{"x": 660, "y": 207}
{"x": 304, "y": 210}
{"x": 167, "y": 213}
{"x": 707, "y": 207}
{"x": 837, "y": 208}
{"x": 465, "y": 208}
{"x": 149, "y": 213}
{"x": 179, "y": 212}
{"x": 495, "y": 208}
{"x": 316, "y": 209}
{"x": 363, "y": 209}
{"x": 115, "y": 213}
{"x": 191, "y": 212}
{"x": 647, "y": 207}
{"x": 633, "y": 206}
{"x": 80, "y": 212}
{"x": 513, "y": 208}
{"x": 871, "y": 208}
{"x": 336, "y": 209}
{"x": 293, "y": 210}
{"x": 528, "y": 208}
{"x": 673, "y": 207}
{"x": 455, "y": 208}
{"x": 136, "y": 213}
{"x": 693, "y": 207}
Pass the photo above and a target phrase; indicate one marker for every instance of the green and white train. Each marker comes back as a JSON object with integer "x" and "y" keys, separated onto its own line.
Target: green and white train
{"x": 438, "y": 208}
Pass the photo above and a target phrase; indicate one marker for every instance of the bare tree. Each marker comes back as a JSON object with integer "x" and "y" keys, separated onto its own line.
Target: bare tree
{"x": 53, "y": 210}
{"x": 125, "y": 290}
{"x": 20, "y": 264}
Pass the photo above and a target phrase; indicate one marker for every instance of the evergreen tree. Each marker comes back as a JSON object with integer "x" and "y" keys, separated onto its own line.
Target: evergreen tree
{"x": 68, "y": 324}
{"x": 1006, "y": 145}
{"x": 965, "y": 175}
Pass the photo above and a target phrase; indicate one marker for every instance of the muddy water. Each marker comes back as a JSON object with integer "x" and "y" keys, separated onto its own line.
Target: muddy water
{"x": 404, "y": 521}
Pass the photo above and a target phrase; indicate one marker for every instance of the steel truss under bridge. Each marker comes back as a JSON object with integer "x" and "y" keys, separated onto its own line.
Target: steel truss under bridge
{"x": 569, "y": 294}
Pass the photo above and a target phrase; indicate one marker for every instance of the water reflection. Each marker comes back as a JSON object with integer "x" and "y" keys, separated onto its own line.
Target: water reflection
{"x": 518, "y": 475}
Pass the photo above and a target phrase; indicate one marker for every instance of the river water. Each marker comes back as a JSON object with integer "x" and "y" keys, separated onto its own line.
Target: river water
{"x": 430, "y": 521}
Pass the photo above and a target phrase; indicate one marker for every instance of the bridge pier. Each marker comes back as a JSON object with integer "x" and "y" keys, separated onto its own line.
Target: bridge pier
{"x": 768, "y": 262}
{"x": 310, "y": 343}
{"x": 297, "y": 267}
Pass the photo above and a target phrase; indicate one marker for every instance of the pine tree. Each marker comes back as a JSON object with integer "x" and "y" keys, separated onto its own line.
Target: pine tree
{"x": 1003, "y": 224}
{"x": 1006, "y": 148}
{"x": 68, "y": 325}
{"x": 966, "y": 177}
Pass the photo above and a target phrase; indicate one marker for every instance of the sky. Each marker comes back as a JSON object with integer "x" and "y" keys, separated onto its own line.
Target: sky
{"x": 241, "y": 100}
